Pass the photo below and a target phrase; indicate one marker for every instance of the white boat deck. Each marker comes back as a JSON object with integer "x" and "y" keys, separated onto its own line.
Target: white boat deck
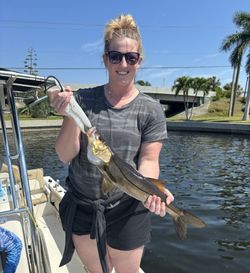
{"x": 49, "y": 223}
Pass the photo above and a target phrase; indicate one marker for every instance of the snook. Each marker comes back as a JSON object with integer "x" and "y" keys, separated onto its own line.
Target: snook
{"x": 119, "y": 174}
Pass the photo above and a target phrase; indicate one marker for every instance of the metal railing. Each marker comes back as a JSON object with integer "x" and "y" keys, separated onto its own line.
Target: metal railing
{"x": 9, "y": 82}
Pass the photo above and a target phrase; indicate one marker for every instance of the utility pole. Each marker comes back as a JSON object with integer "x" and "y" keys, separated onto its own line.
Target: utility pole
{"x": 30, "y": 62}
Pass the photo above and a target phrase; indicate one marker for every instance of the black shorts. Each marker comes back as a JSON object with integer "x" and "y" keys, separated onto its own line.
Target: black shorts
{"x": 128, "y": 224}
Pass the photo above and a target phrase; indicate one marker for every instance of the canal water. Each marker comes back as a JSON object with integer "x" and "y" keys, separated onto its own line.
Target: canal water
{"x": 209, "y": 176}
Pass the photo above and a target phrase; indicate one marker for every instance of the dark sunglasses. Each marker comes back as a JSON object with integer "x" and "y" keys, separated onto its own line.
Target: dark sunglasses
{"x": 131, "y": 58}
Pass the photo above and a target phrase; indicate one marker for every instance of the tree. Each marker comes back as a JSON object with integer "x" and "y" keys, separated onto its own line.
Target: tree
{"x": 247, "y": 105}
{"x": 143, "y": 83}
{"x": 228, "y": 88}
{"x": 214, "y": 82}
{"x": 30, "y": 62}
{"x": 239, "y": 42}
{"x": 183, "y": 84}
{"x": 197, "y": 84}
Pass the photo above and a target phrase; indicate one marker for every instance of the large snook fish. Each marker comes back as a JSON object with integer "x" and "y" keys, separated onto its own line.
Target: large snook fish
{"x": 119, "y": 174}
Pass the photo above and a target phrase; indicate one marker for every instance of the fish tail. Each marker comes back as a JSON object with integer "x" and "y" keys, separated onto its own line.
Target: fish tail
{"x": 193, "y": 220}
{"x": 180, "y": 227}
{"x": 185, "y": 219}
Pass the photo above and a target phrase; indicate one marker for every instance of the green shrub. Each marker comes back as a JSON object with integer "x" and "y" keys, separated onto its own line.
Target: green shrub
{"x": 40, "y": 110}
{"x": 220, "y": 93}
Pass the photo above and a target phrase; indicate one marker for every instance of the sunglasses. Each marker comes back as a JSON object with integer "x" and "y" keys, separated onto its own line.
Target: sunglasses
{"x": 131, "y": 58}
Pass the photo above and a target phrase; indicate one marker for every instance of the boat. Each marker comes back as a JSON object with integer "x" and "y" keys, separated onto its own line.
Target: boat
{"x": 30, "y": 199}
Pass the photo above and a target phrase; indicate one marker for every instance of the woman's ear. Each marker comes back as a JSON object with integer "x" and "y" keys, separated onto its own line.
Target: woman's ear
{"x": 139, "y": 62}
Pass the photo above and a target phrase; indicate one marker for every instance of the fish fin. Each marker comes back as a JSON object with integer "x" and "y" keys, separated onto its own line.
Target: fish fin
{"x": 193, "y": 220}
{"x": 182, "y": 221}
{"x": 107, "y": 185}
{"x": 158, "y": 183}
{"x": 180, "y": 227}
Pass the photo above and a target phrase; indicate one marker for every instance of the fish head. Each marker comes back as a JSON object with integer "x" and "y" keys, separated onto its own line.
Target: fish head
{"x": 98, "y": 152}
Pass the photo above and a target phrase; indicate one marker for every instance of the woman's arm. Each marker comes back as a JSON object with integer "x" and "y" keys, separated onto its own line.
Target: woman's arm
{"x": 68, "y": 141}
{"x": 148, "y": 166}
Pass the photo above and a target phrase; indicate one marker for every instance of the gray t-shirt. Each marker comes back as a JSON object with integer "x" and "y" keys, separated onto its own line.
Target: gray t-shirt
{"x": 123, "y": 129}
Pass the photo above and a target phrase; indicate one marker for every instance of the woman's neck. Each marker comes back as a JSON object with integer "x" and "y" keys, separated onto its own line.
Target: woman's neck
{"x": 120, "y": 96}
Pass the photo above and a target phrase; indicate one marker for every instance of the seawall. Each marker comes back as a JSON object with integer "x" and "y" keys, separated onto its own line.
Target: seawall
{"x": 213, "y": 127}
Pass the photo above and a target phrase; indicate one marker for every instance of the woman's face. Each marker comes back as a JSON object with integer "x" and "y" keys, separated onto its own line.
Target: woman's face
{"x": 122, "y": 73}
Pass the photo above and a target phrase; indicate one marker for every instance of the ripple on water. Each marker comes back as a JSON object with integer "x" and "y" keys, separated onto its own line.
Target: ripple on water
{"x": 209, "y": 176}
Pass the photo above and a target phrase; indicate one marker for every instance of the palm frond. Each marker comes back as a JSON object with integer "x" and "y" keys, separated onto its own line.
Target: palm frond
{"x": 242, "y": 20}
{"x": 230, "y": 41}
{"x": 181, "y": 84}
{"x": 236, "y": 55}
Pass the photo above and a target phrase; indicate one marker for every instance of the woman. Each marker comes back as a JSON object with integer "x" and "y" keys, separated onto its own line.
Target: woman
{"x": 134, "y": 126}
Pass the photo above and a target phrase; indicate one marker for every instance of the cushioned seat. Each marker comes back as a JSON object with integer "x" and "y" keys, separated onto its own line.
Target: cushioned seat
{"x": 36, "y": 182}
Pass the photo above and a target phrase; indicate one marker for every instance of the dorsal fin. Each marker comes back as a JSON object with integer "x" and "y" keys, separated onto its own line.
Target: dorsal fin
{"x": 158, "y": 183}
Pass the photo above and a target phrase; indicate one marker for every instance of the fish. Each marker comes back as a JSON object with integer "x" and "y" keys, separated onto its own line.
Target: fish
{"x": 118, "y": 174}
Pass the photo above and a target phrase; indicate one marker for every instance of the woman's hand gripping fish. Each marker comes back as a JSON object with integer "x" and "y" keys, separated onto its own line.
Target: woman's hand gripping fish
{"x": 119, "y": 174}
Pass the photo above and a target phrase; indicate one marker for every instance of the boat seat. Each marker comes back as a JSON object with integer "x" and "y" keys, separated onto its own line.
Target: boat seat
{"x": 37, "y": 186}
{"x": 36, "y": 182}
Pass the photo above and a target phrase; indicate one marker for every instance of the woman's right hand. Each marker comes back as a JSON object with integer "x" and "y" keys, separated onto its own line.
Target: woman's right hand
{"x": 59, "y": 100}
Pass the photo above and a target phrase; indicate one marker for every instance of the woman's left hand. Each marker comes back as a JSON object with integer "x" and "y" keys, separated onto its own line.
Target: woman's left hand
{"x": 155, "y": 205}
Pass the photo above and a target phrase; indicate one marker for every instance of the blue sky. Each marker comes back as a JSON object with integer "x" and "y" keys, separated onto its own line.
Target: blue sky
{"x": 68, "y": 34}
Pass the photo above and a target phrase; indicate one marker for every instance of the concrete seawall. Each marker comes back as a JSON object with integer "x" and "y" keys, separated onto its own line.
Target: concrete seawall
{"x": 213, "y": 127}
{"x": 195, "y": 126}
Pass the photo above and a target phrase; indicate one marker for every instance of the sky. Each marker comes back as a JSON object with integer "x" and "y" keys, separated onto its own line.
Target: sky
{"x": 183, "y": 36}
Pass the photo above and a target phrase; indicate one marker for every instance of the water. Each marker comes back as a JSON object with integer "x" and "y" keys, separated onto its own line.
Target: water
{"x": 209, "y": 176}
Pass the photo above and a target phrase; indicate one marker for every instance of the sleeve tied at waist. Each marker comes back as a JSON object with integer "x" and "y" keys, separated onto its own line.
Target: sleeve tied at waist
{"x": 98, "y": 227}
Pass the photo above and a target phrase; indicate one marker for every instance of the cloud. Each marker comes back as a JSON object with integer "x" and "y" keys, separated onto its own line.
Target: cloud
{"x": 156, "y": 73}
{"x": 160, "y": 74}
{"x": 225, "y": 72}
{"x": 93, "y": 48}
{"x": 205, "y": 57}
{"x": 210, "y": 56}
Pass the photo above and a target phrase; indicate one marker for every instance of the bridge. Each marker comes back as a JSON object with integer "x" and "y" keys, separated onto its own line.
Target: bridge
{"x": 171, "y": 103}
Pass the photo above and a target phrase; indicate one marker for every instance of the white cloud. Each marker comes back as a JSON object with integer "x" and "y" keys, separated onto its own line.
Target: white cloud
{"x": 93, "y": 47}
{"x": 205, "y": 57}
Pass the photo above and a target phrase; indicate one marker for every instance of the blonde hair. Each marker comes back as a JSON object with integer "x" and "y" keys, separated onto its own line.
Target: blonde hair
{"x": 124, "y": 26}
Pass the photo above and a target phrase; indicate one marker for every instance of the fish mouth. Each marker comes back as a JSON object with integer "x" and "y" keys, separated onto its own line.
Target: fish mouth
{"x": 98, "y": 152}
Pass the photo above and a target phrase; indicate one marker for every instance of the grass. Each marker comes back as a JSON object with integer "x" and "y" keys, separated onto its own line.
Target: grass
{"x": 47, "y": 118}
{"x": 25, "y": 117}
{"x": 218, "y": 112}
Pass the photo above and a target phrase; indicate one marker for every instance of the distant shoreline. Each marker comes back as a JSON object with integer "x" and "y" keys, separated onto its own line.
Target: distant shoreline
{"x": 194, "y": 126}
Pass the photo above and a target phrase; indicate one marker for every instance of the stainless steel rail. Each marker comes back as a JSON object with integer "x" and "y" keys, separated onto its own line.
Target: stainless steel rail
{"x": 9, "y": 82}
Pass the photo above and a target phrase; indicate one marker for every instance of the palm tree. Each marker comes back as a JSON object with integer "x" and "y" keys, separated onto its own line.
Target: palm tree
{"x": 247, "y": 105}
{"x": 183, "y": 84}
{"x": 214, "y": 83}
{"x": 240, "y": 41}
{"x": 197, "y": 84}
{"x": 143, "y": 83}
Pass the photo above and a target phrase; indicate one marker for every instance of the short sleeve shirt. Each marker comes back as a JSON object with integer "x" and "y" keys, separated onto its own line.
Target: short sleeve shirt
{"x": 123, "y": 129}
